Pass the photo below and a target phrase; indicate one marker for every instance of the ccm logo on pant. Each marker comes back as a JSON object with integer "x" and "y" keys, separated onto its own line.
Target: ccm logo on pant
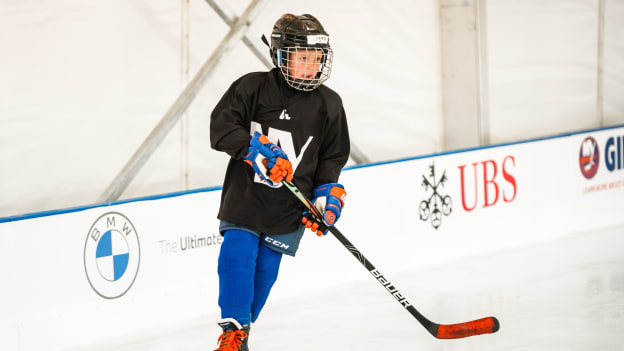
{"x": 276, "y": 243}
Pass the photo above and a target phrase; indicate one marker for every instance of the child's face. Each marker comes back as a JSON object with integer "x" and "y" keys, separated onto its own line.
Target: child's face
{"x": 304, "y": 63}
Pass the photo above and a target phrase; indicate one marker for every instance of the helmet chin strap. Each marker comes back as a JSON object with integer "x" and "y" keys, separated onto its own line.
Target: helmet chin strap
{"x": 304, "y": 84}
{"x": 265, "y": 40}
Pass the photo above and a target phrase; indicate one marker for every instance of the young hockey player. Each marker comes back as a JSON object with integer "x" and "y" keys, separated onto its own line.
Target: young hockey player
{"x": 278, "y": 125}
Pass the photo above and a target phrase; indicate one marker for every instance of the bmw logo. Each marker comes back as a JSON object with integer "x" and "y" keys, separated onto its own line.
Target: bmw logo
{"x": 112, "y": 255}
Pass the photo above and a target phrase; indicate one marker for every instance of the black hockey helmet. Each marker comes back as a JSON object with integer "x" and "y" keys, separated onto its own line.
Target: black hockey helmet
{"x": 292, "y": 33}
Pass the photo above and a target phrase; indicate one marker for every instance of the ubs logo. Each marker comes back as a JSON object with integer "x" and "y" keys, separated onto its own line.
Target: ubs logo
{"x": 589, "y": 157}
{"x": 111, "y": 255}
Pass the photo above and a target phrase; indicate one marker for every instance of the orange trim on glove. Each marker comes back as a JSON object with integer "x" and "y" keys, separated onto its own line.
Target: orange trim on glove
{"x": 280, "y": 171}
{"x": 339, "y": 193}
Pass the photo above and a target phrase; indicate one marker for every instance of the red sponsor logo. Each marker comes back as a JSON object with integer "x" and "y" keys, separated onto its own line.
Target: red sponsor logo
{"x": 485, "y": 179}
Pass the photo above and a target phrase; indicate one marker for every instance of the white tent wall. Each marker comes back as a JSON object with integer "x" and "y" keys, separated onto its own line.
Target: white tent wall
{"x": 614, "y": 62}
{"x": 542, "y": 67}
{"x": 83, "y": 83}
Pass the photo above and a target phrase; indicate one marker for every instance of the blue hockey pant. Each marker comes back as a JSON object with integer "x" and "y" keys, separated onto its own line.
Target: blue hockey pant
{"x": 247, "y": 272}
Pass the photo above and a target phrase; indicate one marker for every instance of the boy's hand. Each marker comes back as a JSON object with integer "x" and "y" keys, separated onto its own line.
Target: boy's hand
{"x": 275, "y": 164}
{"x": 329, "y": 199}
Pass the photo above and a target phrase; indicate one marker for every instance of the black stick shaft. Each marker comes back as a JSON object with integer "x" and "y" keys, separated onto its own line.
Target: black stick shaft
{"x": 430, "y": 326}
{"x": 450, "y": 331}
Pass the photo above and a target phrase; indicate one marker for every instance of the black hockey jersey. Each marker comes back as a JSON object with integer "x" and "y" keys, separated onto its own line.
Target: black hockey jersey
{"x": 311, "y": 128}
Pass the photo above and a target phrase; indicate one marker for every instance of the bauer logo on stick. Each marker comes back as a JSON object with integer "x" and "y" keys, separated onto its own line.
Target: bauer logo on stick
{"x": 112, "y": 255}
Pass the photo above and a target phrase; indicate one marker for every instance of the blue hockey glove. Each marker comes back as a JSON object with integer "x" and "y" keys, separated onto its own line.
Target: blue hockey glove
{"x": 329, "y": 199}
{"x": 268, "y": 160}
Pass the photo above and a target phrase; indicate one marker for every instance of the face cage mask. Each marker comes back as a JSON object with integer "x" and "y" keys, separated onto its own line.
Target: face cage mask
{"x": 309, "y": 67}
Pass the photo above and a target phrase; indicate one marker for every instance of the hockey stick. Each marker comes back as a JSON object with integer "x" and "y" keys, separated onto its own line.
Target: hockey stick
{"x": 485, "y": 325}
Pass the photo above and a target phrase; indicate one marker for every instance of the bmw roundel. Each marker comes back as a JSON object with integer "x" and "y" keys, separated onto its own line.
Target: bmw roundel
{"x": 112, "y": 255}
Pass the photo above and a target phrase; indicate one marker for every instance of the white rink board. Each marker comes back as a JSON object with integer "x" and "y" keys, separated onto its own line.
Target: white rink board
{"x": 48, "y": 303}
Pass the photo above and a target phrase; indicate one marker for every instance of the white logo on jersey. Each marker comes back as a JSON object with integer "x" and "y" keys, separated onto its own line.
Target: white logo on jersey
{"x": 284, "y": 140}
{"x": 284, "y": 115}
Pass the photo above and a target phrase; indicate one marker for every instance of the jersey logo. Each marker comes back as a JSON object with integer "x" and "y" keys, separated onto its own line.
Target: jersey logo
{"x": 284, "y": 115}
{"x": 284, "y": 140}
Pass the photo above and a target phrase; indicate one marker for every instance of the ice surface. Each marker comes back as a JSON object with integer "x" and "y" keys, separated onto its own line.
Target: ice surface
{"x": 562, "y": 295}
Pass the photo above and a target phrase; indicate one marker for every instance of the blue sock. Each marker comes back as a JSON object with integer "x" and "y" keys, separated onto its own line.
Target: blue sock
{"x": 267, "y": 267}
{"x": 236, "y": 268}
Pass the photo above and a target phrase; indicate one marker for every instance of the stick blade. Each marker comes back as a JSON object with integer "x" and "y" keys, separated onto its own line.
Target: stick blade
{"x": 487, "y": 325}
